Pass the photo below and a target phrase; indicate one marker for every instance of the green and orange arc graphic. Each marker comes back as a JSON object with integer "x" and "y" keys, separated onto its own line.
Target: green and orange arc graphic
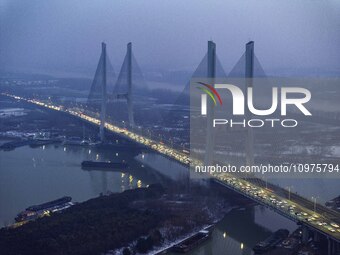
{"x": 211, "y": 91}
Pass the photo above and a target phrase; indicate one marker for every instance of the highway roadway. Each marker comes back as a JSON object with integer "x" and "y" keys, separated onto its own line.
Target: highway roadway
{"x": 296, "y": 208}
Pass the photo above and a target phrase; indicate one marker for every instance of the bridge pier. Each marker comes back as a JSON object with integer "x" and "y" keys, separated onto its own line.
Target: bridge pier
{"x": 316, "y": 237}
{"x": 305, "y": 234}
{"x": 336, "y": 248}
{"x": 329, "y": 246}
{"x": 332, "y": 247}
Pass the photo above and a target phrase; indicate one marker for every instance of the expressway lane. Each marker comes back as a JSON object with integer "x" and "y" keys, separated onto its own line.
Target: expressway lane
{"x": 297, "y": 208}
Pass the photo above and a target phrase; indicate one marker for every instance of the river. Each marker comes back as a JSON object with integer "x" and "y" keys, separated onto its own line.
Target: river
{"x": 31, "y": 176}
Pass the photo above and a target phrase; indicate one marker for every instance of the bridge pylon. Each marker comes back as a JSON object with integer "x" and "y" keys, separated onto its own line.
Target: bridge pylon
{"x": 249, "y": 74}
{"x": 104, "y": 97}
{"x": 210, "y": 137}
{"x": 98, "y": 97}
{"x": 129, "y": 82}
{"x": 125, "y": 87}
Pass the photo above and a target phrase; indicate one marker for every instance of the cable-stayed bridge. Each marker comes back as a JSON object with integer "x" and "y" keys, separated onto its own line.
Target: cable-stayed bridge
{"x": 122, "y": 94}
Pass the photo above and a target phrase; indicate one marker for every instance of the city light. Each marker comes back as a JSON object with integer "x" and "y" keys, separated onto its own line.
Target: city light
{"x": 263, "y": 196}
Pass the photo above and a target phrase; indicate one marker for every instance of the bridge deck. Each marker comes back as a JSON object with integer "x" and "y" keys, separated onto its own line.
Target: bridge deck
{"x": 298, "y": 209}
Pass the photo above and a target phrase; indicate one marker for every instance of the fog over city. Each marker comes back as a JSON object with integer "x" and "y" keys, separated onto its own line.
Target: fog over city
{"x": 62, "y": 38}
{"x": 165, "y": 127}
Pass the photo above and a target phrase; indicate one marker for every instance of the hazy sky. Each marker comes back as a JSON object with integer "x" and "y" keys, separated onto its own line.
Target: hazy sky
{"x": 64, "y": 36}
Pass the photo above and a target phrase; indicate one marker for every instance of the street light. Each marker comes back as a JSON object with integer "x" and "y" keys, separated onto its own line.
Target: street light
{"x": 289, "y": 190}
{"x": 314, "y": 200}
{"x": 266, "y": 182}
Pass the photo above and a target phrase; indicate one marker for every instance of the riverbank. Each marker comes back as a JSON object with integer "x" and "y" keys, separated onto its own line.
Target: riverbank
{"x": 152, "y": 216}
{"x": 56, "y": 171}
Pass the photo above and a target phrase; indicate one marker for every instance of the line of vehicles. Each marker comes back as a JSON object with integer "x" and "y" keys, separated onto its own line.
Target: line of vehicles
{"x": 183, "y": 157}
{"x": 286, "y": 206}
{"x": 254, "y": 191}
